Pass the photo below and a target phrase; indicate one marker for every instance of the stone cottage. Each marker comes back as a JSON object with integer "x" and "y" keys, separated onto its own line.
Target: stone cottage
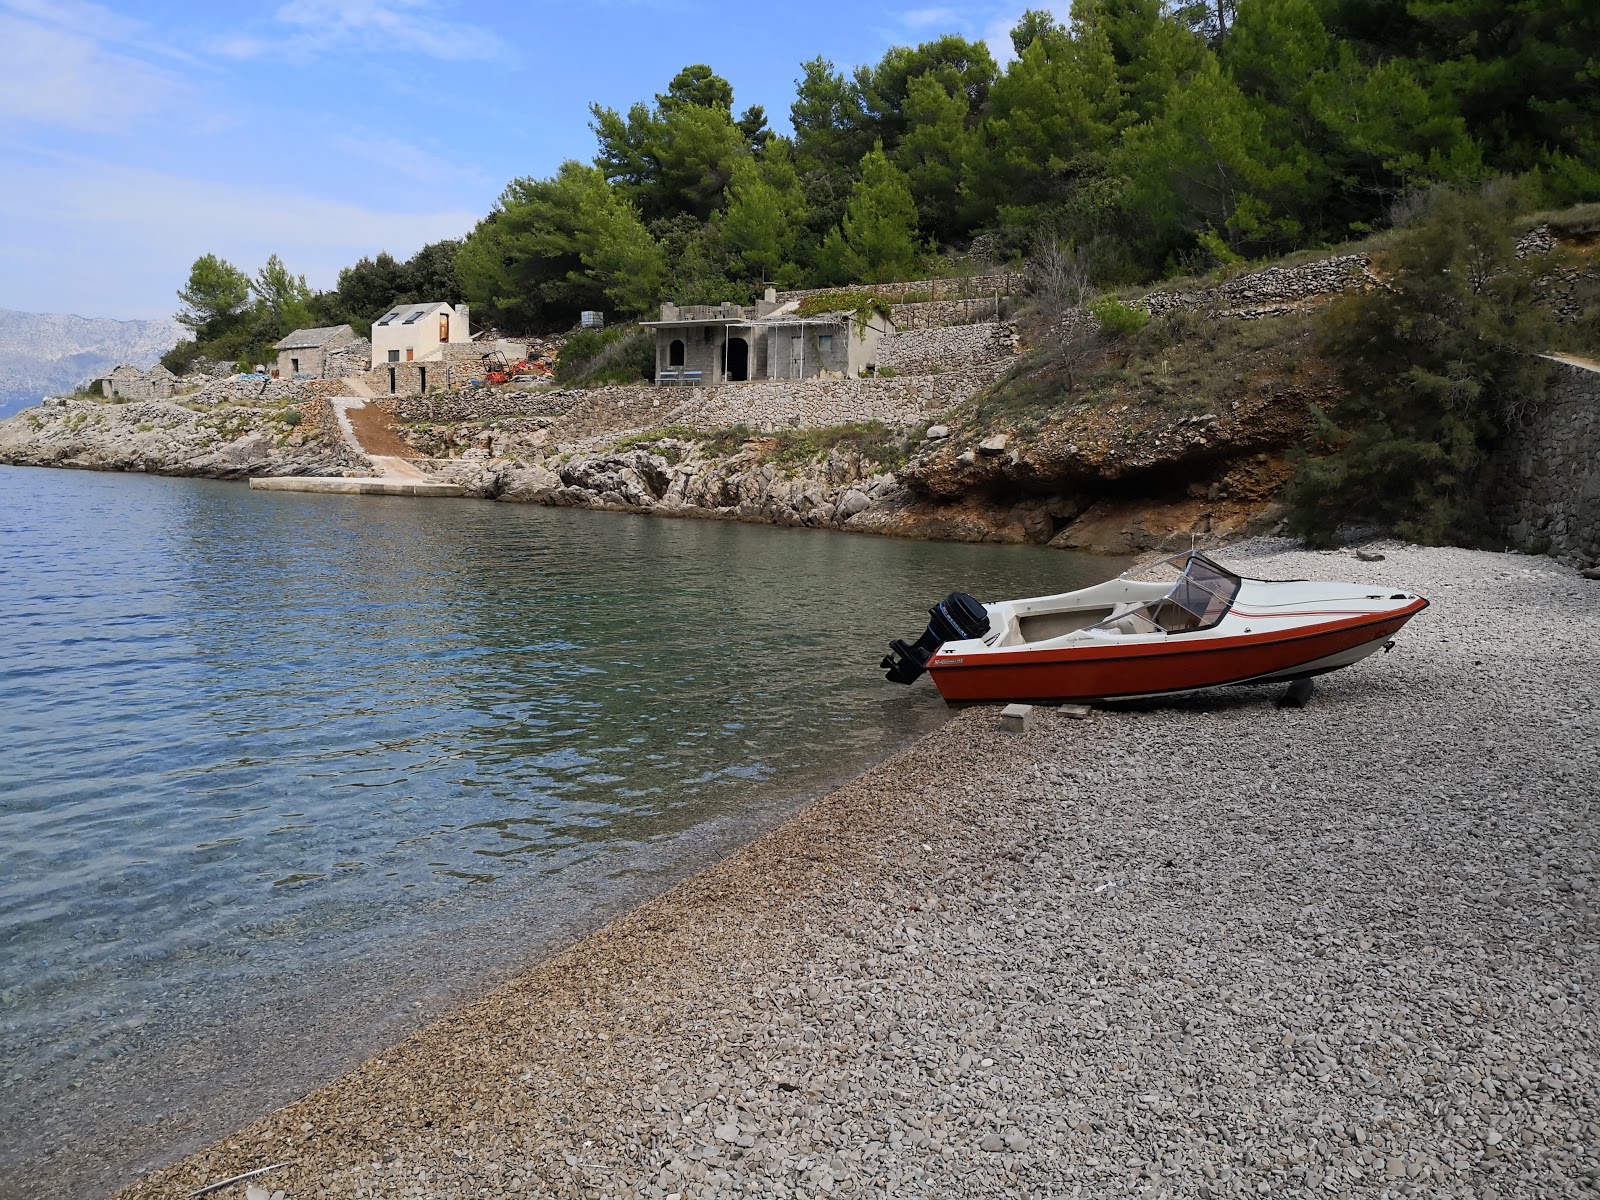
{"x": 130, "y": 383}
{"x": 303, "y": 354}
{"x": 730, "y": 343}
{"x": 418, "y": 332}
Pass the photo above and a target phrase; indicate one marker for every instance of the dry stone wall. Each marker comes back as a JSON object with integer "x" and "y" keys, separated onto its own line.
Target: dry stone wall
{"x": 1275, "y": 290}
{"x": 1550, "y": 478}
{"x": 485, "y": 404}
{"x": 237, "y": 390}
{"x": 1002, "y": 283}
{"x": 939, "y": 313}
{"x": 817, "y": 402}
{"x": 352, "y": 358}
{"x": 919, "y": 351}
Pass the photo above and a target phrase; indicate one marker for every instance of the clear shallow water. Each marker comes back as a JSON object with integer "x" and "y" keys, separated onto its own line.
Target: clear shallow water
{"x": 256, "y": 745}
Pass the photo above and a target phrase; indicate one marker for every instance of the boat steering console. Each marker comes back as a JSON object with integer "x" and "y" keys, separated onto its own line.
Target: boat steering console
{"x": 956, "y": 618}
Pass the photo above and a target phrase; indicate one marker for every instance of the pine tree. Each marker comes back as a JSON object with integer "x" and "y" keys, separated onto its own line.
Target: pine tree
{"x": 877, "y": 240}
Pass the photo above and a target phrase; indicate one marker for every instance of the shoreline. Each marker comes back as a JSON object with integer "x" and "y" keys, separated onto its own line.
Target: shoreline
{"x": 1123, "y": 530}
{"x": 991, "y": 963}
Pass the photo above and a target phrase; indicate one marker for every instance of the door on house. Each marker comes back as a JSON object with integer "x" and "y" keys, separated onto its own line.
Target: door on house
{"x": 738, "y": 359}
{"x": 391, "y": 381}
{"x": 797, "y": 354}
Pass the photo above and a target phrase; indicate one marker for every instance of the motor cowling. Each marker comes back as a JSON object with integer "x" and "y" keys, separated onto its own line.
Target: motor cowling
{"x": 956, "y": 618}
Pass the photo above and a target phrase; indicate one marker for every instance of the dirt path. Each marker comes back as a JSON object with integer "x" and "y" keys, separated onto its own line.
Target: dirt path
{"x": 375, "y": 431}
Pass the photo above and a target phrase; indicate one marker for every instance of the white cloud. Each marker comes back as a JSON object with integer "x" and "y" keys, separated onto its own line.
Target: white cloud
{"x": 57, "y": 74}
{"x": 124, "y": 236}
{"x": 401, "y": 157}
{"x": 377, "y": 25}
{"x": 921, "y": 18}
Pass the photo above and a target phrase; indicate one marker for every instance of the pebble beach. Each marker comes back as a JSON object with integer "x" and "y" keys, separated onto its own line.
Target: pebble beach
{"x": 1198, "y": 948}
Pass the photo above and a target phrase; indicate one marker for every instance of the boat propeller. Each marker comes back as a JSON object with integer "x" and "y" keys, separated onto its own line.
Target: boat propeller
{"x": 956, "y": 618}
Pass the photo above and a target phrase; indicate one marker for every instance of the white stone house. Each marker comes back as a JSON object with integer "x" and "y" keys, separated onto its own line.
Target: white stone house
{"x": 418, "y": 332}
{"x": 303, "y": 353}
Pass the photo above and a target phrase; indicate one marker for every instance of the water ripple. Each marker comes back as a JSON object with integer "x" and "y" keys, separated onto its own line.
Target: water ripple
{"x": 247, "y": 732}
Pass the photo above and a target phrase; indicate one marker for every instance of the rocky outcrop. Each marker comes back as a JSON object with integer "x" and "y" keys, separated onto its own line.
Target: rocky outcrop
{"x": 165, "y": 438}
{"x": 681, "y": 478}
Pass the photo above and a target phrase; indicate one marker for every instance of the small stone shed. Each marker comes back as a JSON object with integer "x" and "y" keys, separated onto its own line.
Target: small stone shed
{"x": 131, "y": 383}
{"x": 303, "y": 354}
{"x": 731, "y": 343}
{"x": 418, "y": 332}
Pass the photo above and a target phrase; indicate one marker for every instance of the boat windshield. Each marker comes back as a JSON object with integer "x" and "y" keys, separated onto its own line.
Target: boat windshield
{"x": 1199, "y": 599}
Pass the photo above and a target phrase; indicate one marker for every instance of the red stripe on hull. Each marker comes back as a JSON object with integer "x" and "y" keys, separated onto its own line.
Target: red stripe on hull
{"x": 1107, "y": 672}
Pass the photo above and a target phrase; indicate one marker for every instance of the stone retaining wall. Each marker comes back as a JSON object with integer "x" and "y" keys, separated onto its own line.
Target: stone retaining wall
{"x": 1550, "y": 481}
{"x": 1269, "y": 292}
{"x": 485, "y": 403}
{"x": 352, "y": 358}
{"x": 918, "y": 351}
{"x": 248, "y": 391}
{"x": 814, "y": 402}
{"x": 1004, "y": 283}
{"x": 939, "y": 313}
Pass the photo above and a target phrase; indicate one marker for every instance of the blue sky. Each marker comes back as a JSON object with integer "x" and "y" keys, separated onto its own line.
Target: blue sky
{"x": 136, "y": 136}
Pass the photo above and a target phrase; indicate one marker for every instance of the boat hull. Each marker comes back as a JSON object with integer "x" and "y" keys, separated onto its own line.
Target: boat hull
{"x": 1172, "y": 666}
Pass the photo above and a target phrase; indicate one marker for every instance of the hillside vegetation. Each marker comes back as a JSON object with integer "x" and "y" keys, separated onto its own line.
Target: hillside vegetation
{"x": 1151, "y": 138}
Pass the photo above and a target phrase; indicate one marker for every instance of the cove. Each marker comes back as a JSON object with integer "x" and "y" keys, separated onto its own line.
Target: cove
{"x": 286, "y": 775}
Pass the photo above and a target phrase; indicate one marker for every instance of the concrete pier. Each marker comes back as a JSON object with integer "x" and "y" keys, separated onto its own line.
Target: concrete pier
{"x": 359, "y": 487}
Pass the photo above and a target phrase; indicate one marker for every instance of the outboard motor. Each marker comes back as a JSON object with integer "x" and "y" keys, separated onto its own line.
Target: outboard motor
{"x": 956, "y": 618}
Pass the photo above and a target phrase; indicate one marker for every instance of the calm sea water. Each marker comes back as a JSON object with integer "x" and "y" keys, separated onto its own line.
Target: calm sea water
{"x": 281, "y": 775}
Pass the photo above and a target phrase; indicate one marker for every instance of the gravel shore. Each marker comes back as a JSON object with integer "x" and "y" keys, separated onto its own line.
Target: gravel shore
{"x": 1206, "y": 947}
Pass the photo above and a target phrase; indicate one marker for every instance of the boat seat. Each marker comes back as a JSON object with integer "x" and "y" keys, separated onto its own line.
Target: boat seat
{"x": 1115, "y": 623}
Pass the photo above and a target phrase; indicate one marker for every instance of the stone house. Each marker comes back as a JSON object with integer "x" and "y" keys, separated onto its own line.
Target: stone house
{"x": 130, "y": 383}
{"x": 730, "y": 343}
{"x": 303, "y": 354}
{"x": 418, "y": 332}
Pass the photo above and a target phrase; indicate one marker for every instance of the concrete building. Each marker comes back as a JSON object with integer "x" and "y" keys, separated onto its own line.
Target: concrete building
{"x": 304, "y": 353}
{"x": 729, "y": 343}
{"x": 418, "y": 332}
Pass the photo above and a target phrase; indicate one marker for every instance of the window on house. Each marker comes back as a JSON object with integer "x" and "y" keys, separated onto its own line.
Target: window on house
{"x": 413, "y": 318}
{"x": 294, "y": 366}
{"x": 387, "y": 317}
{"x": 394, "y": 356}
{"x": 410, "y": 353}
{"x": 444, "y": 327}
{"x": 675, "y": 354}
{"x": 824, "y": 342}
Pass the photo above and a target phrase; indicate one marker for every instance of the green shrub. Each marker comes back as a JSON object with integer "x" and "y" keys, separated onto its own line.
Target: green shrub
{"x": 1438, "y": 367}
{"x": 862, "y": 304}
{"x": 291, "y": 417}
{"x": 1116, "y": 318}
{"x": 621, "y": 354}
{"x": 181, "y": 357}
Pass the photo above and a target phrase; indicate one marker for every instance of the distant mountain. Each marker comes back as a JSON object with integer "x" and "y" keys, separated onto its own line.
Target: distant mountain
{"x": 43, "y": 354}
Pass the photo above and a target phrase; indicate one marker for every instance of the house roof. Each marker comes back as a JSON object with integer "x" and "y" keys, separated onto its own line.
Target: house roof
{"x": 406, "y": 314}
{"x": 302, "y": 339}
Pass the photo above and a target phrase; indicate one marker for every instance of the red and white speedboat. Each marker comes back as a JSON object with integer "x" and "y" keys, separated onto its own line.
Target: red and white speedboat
{"x": 1134, "y": 637}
